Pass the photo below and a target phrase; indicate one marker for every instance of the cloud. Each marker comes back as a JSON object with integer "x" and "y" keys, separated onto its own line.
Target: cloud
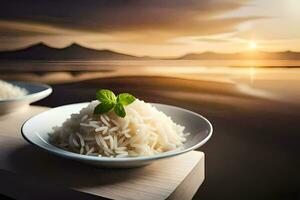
{"x": 120, "y": 15}
{"x": 137, "y": 21}
{"x": 13, "y": 28}
{"x": 214, "y": 40}
{"x": 114, "y": 15}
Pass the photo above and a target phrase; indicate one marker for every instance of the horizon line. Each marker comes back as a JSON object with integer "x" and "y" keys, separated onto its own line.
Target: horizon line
{"x": 145, "y": 56}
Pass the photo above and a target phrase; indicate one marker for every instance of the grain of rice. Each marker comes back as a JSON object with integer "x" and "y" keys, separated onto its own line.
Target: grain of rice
{"x": 120, "y": 151}
{"x": 98, "y": 141}
{"x": 113, "y": 129}
{"x": 121, "y": 140}
{"x": 115, "y": 142}
{"x": 84, "y": 117}
{"x": 89, "y": 139}
{"x": 125, "y": 131}
{"x": 87, "y": 147}
{"x": 111, "y": 142}
{"x": 80, "y": 138}
{"x": 102, "y": 141}
{"x": 102, "y": 128}
{"x": 81, "y": 150}
{"x": 70, "y": 140}
{"x": 127, "y": 135}
{"x": 108, "y": 150}
{"x": 105, "y": 131}
{"x": 121, "y": 148}
{"x": 104, "y": 121}
{"x": 63, "y": 144}
{"x": 186, "y": 134}
{"x": 114, "y": 122}
{"x": 107, "y": 154}
{"x": 106, "y": 117}
{"x": 75, "y": 142}
{"x": 95, "y": 126}
{"x": 89, "y": 125}
{"x": 90, "y": 151}
{"x": 107, "y": 137}
{"x": 122, "y": 155}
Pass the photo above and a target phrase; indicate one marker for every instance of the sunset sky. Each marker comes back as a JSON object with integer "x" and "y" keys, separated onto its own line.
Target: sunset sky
{"x": 153, "y": 27}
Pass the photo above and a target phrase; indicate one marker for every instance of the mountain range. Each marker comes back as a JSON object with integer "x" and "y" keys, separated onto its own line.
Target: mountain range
{"x": 249, "y": 55}
{"x": 41, "y": 51}
{"x": 74, "y": 51}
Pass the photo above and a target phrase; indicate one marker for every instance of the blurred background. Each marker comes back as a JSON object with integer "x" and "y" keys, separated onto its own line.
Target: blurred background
{"x": 234, "y": 61}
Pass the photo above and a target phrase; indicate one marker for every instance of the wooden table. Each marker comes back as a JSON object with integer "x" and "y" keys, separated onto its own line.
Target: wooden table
{"x": 30, "y": 173}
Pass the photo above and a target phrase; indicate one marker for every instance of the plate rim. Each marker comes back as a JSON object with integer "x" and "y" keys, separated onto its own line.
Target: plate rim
{"x": 71, "y": 155}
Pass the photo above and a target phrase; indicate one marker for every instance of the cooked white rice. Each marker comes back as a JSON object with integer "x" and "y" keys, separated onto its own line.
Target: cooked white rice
{"x": 10, "y": 91}
{"x": 144, "y": 131}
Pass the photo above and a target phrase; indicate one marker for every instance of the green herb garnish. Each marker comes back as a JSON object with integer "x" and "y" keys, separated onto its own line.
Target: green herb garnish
{"x": 109, "y": 101}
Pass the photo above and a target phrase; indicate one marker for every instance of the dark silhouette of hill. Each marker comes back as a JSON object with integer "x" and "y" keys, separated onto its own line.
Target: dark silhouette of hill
{"x": 250, "y": 55}
{"x": 41, "y": 51}
{"x": 75, "y": 51}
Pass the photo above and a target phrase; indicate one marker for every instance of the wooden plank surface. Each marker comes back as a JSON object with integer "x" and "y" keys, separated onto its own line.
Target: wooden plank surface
{"x": 37, "y": 174}
{"x": 11, "y": 123}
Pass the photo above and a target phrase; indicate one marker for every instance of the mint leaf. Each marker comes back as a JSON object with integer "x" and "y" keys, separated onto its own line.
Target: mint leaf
{"x": 119, "y": 110}
{"x": 125, "y": 99}
{"x": 109, "y": 101}
{"x": 106, "y": 96}
{"x": 104, "y": 107}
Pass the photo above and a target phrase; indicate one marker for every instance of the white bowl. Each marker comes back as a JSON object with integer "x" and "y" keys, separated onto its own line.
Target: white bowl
{"x": 36, "y": 92}
{"x": 36, "y": 131}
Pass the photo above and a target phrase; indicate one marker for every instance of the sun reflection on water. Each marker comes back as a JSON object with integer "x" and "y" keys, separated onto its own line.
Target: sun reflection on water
{"x": 252, "y": 73}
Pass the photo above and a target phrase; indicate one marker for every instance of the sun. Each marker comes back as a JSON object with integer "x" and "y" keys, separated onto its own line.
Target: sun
{"x": 252, "y": 45}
